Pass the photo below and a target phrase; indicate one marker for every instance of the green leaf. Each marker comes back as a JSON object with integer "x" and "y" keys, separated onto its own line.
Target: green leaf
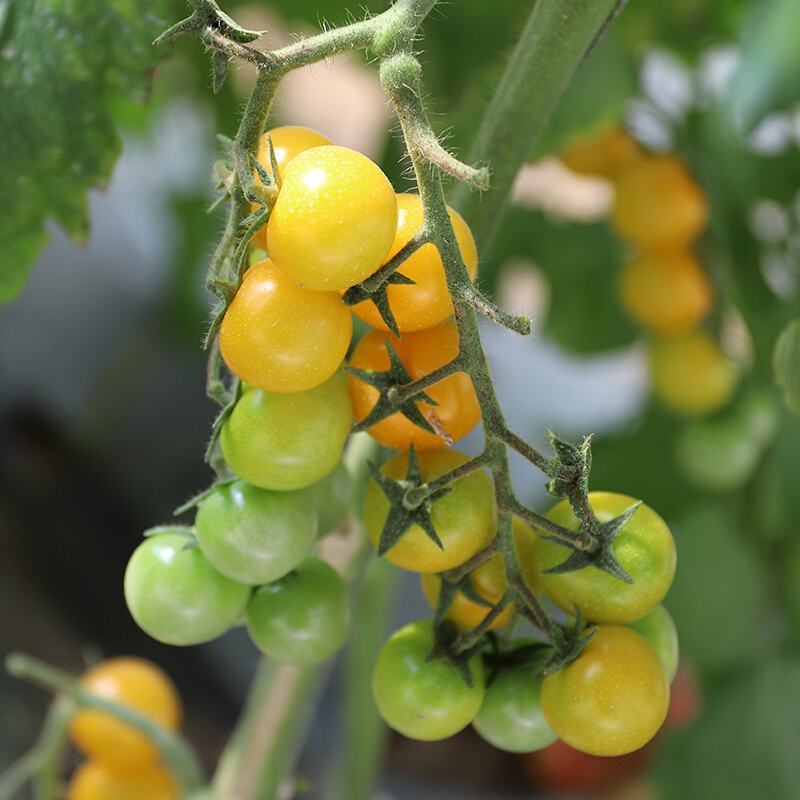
{"x": 744, "y": 745}
{"x": 768, "y": 76}
{"x": 63, "y": 60}
{"x": 786, "y": 363}
{"x": 718, "y": 597}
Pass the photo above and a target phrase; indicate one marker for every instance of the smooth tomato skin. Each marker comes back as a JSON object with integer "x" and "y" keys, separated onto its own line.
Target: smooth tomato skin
{"x": 288, "y": 141}
{"x": 659, "y": 630}
{"x": 427, "y": 302}
{"x": 98, "y": 781}
{"x": 331, "y": 498}
{"x": 666, "y": 292}
{"x": 645, "y": 549}
{"x": 424, "y": 700}
{"x": 511, "y": 716}
{"x": 304, "y": 617}
{"x": 253, "y": 535}
{"x": 137, "y": 684}
{"x": 280, "y": 337}
{"x": 690, "y": 375}
{"x": 604, "y": 153}
{"x": 285, "y": 442}
{"x": 334, "y": 220}
{"x": 658, "y": 205}
{"x": 489, "y": 581}
{"x": 612, "y": 699}
{"x": 464, "y": 518}
{"x": 176, "y": 596}
{"x": 457, "y": 411}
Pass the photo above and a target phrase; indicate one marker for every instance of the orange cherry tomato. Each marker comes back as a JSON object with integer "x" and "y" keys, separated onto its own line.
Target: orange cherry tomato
{"x": 96, "y": 781}
{"x": 131, "y": 682}
{"x": 605, "y": 153}
{"x": 658, "y": 205}
{"x": 457, "y": 411}
{"x": 427, "y": 302}
{"x": 288, "y": 141}
{"x": 279, "y": 337}
{"x": 666, "y": 292}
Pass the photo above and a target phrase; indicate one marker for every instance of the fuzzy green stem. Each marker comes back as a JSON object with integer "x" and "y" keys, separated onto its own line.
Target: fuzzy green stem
{"x": 175, "y": 752}
{"x": 556, "y": 38}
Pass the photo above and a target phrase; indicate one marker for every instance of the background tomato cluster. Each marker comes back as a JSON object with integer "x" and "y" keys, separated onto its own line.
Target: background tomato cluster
{"x": 102, "y": 420}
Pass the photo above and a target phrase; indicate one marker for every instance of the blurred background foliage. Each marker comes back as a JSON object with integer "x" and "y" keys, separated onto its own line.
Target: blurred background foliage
{"x": 103, "y": 419}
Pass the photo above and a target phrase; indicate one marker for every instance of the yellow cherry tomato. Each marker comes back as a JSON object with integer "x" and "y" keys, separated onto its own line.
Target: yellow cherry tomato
{"x": 605, "y": 153}
{"x": 427, "y": 302}
{"x": 457, "y": 411}
{"x": 690, "y": 374}
{"x": 96, "y": 781}
{"x": 489, "y": 581}
{"x": 280, "y": 337}
{"x": 612, "y": 698}
{"x": 334, "y": 220}
{"x": 666, "y": 292}
{"x": 131, "y": 682}
{"x": 658, "y": 205}
{"x": 288, "y": 141}
{"x": 464, "y": 518}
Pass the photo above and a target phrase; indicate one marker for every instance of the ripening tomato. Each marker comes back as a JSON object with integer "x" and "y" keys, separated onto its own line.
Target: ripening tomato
{"x": 288, "y": 141}
{"x": 304, "y": 617}
{"x": 134, "y": 683}
{"x": 457, "y": 411}
{"x": 690, "y": 374}
{"x": 659, "y": 630}
{"x": 252, "y": 535}
{"x": 511, "y": 716}
{"x": 427, "y": 302}
{"x": 280, "y": 337}
{"x": 658, "y": 205}
{"x": 287, "y": 441}
{"x": 464, "y": 518}
{"x": 489, "y": 581}
{"x": 612, "y": 698}
{"x": 176, "y": 596}
{"x": 604, "y": 153}
{"x": 334, "y": 220}
{"x": 644, "y": 548}
{"x": 425, "y": 700}
{"x": 98, "y": 781}
{"x": 666, "y": 292}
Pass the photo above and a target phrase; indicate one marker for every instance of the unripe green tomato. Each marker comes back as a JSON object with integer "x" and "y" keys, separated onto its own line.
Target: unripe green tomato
{"x": 422, "y": 699}
{"x": 252, "y": 535}
{"x": 659, "y": 630}
{"x": 304, "y": 617}
{"x": 332, "y": 498}
{"x": 176, "y": 596}
{"x": 511, "y": 717}
{"x": 287, "y": 441}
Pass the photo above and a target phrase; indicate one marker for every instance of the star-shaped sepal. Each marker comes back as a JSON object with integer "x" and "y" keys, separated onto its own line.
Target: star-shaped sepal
{"x": 570, "y": 647}
{"x": 380, "y": 296}
{"x": 603, "y": 556}
{"x": 446, "y": 634}
{"x": 571, "y": 466}
{"x": 384, "y": 382}
{"x": 207, "y": 14}
{"x": 403, "y": 514}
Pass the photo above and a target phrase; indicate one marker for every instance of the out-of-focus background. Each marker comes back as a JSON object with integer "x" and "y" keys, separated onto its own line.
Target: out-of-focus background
{"x": 103, "y": 417}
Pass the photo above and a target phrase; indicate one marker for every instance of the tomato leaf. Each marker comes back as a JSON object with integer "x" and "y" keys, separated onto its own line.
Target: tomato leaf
{"x": 63, "y": 62}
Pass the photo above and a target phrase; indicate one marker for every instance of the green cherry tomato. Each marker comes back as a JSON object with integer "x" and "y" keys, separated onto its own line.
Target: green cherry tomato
{"x": 287, "y": 441}
{"x": 612, "y": 699}
{"x": 304, "y": 617}
{"x": 659, "y": 630}
{"x": 511, "y": 716}
{"x": 425, "y": 700}
{"x": 331, "y": 498}
{"x": 176, "y": 596}
{"x": 645, "y": 549}
{"x": 252, "y": 535}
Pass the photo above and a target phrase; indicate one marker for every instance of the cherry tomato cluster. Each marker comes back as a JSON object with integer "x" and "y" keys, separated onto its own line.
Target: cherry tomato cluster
{"x": 660, "y": 211}
{"x": 121, "y": 763}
